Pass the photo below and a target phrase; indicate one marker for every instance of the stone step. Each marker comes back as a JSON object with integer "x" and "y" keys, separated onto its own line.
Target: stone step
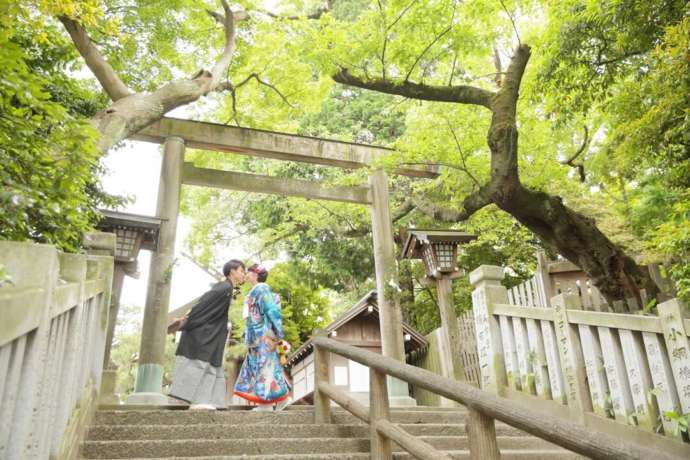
{"x": 302, "y": 417}
{"x": 207, "y": 431}
{"x": 180, "y": 406}
{"x": 215, "y": 431}
{"x": 264, "y": 446}
{"x": 506, "y": 454}
{"x": 405, "y": 408}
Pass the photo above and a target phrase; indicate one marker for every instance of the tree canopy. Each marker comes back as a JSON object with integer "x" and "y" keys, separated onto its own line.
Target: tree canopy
{"x": 561, "y": 125}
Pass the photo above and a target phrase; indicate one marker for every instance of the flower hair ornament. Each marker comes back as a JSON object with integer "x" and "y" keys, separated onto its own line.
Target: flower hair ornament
{"x": 258, "y": 269}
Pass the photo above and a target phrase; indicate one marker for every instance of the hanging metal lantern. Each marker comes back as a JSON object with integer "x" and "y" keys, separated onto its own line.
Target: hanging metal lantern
{"x": 437, "y": 248}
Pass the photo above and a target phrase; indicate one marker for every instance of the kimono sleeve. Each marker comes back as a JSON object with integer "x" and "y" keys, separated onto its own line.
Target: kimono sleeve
{"x": 272, "y": 311}
{"x": 209, "y": 306}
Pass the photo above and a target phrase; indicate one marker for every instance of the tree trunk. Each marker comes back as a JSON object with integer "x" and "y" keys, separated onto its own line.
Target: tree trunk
{"x": 131, "y": 112}
{"x": 577, "y": 238}
{"x": 564, "y": 230}
{"x": 134, "y": 112}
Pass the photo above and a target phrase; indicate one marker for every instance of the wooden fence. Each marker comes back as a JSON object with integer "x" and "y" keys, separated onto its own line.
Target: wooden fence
{"x": 598, "y": 367}
{"x": 54, "y": 309}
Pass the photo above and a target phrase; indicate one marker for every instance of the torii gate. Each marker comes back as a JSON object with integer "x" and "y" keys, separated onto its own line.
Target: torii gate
{"x": 176, "y": 135}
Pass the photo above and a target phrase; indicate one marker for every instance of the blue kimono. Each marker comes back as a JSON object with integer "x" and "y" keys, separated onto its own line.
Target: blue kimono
{"x": 262, "y": 379}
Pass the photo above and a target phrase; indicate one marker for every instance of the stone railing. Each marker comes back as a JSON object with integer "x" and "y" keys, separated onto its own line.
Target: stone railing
{"x": 54, "y": 310}
{"x": 626, "y": 374}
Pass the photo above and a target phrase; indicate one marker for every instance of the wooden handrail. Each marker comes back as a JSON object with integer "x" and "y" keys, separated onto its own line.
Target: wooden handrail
{"x": 412, "y": 444}
{"x": 564, "y": 433}
{"x": 348, "y": 403}
{"x": 416, "y": 447}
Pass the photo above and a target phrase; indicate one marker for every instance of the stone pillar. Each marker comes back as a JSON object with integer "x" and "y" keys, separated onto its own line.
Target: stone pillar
{"x": 387, "y": 289}
{"x": 572, "y": 358}
{"x": 152, "y": 350}
{"x": 487, "y": 292}
{"x": 108, "y": 393}
{"x": 118, "y": 281}
{"x": 672, "y": 314}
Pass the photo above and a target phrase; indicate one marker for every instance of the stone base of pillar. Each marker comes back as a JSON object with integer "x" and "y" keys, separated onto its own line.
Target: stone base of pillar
{"x": 148, "y": 386}
{"x": 149, "y": 378}
{"x": 149, "y": 399}
{"x": 108, "y": 386}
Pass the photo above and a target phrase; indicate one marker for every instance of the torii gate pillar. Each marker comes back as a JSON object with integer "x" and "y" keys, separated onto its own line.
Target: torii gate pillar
{"x": 148, "y": 389}
{"x": 387, "y": 288}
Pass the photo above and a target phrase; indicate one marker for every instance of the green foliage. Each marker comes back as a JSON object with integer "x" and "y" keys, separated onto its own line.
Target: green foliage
{"x": 590, "y": 46}
{"x": 630, "y": 83}
{"x": 672, "y": 237}
{"x": 5, "y": 277}
{"x": 356, "y": 115}
{"x": 682, "y": 421}
{"x": 125, "y": 355}
{"x": 304, "y": 303}
{"x": 48, "y": 160}
{"x": 620, "y": 68}
{"x": 125, "y": 350}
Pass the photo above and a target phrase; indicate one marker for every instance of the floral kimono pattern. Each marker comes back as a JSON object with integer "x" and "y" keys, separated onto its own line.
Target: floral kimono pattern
{"x": 262, "y": 379}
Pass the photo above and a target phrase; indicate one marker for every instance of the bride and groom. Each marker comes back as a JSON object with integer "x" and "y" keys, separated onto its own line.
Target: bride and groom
{"x": 198, "y": 377}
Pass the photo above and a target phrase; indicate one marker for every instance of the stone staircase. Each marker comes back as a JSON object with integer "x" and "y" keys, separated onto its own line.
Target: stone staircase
{"x": 287, "y": 435}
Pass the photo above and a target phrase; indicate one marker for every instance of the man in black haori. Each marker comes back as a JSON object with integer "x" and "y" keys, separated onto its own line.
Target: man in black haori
{"x": 199, "y": 378}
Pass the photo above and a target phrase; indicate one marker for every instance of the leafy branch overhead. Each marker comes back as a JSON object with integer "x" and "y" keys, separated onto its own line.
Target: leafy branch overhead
{"x": 614, "y": 272}
{"x": 475, "y": 88}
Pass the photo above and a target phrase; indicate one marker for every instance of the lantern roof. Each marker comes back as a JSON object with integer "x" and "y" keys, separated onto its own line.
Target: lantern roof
{"x": 147, "y": 226}
{"x": 416, "y": 238}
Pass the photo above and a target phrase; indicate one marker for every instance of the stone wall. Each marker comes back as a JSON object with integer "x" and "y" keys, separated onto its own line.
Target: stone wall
{"x": 52, "y": 339}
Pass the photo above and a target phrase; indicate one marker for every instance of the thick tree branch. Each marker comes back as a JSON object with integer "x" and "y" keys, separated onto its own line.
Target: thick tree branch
{"x": 461, "y": 94}
{"x": 503, "y": 133}
{"x": 405, "y": 208}
{"x": 95, "y": 61}
{"x": 225, "y": 58}
{"x": 471, "y": 204}
{"x": 514, "y": 73}
{"x": 128, "y": 115}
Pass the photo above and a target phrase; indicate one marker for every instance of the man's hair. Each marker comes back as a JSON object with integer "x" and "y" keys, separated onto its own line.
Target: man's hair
{"x": 233, "y": 264}
{"x": 261, "y": 272}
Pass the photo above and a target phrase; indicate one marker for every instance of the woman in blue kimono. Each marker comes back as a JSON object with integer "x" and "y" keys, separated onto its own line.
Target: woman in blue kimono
{"x": 262, "y": 379}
